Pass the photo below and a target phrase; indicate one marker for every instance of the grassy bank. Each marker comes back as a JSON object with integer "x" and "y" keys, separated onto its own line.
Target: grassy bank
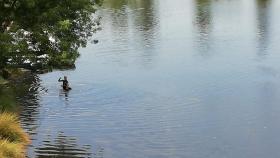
{"x": 13, "y": 85}
{"x": 7, "y": 98}
{"x": 13, "y": 139}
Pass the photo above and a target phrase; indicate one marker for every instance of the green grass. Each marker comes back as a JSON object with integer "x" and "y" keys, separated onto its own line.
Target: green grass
{"x": 3, "y": 81}
{"x": 7, "y": 99}
{"x": 13, "y": 138}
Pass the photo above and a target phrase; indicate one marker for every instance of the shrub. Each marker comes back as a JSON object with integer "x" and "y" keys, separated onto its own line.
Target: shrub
{"x": 11, "y": 130}
{"x": 13, "y": 139}
{"x": 11, "y": 150}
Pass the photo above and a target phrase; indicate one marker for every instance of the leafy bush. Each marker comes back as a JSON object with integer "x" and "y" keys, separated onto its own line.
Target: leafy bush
{"x": 7, "y": 100}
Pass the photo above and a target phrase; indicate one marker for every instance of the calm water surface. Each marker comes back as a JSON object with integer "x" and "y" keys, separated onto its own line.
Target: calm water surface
{"x": 168, "y": 79}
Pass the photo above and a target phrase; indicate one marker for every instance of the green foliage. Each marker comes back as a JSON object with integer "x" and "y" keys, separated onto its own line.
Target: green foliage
{"x": 7, "y": 99}
{"x": 41, "y": 32}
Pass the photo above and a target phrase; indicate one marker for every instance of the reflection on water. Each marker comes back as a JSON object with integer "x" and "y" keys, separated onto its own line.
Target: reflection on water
{"x": 263, "y": 25}
{"x": 167, "y": 79}
{"x": 64, "y": 147}
{"x": 28, "y": 95}
{"x": 134, "y": 25}
{"x": 63, "y": 94}
{"x": 147, "y": 26}
{"x": 203, "y": 16}
{"x": 203, "y": 22}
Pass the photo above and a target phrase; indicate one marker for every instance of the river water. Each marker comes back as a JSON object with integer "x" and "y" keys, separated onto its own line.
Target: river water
{"x": 168, "y": 79}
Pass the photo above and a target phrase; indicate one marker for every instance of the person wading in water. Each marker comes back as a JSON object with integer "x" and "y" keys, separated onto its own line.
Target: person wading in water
{"x": 65, "y": 84}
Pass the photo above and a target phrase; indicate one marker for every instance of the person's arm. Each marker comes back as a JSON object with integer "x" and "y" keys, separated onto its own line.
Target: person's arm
{"x": 60, "y": 80}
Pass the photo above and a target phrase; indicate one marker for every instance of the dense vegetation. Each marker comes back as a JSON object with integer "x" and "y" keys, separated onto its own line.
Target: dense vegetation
{"x": 13, "y": 139}
{"x": 37, "y": 34}
{"x": 44, "y": 33}
{"x": 7, "y": 99}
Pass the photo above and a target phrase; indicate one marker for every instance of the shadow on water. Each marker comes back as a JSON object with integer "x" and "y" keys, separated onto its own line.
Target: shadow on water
{"x": 263, "y": 24}
{"x": 203, "y": 22}
{"x": 28, "y": 96}
{"x": 65, "y": 147}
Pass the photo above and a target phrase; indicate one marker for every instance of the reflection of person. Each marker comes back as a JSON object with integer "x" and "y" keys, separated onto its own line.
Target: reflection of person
{"x": 65, "y": 84}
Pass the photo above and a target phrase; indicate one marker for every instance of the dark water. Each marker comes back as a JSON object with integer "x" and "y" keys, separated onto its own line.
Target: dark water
{"x": 168, "y": 78}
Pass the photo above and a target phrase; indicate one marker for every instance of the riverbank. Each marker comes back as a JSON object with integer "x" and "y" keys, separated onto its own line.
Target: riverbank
{"x": 7, "y": 97}
{"x": 10, "y": 81}
{"x": 13, "y": 139}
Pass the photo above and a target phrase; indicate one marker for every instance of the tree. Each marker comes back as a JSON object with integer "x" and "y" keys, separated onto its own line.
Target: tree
{"x": 45, "y": 33}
